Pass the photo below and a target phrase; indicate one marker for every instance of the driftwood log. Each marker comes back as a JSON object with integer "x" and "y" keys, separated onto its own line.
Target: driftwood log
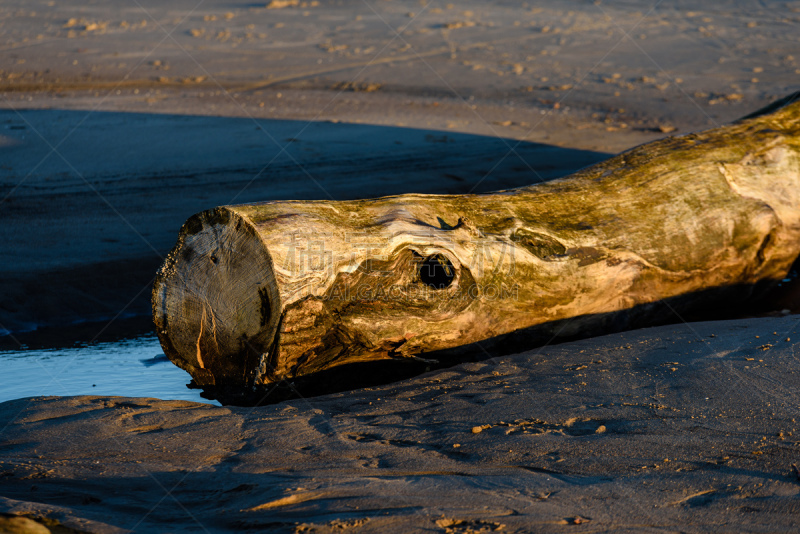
{"x": 255, "y": 294}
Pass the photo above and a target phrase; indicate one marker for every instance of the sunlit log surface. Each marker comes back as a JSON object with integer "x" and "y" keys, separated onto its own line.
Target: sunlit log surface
{"x": 255, "y": 294}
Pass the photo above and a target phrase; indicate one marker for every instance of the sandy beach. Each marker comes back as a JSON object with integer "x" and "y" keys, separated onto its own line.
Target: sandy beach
{"x": 119, "y": 121}
{"x": 677, "y": 429}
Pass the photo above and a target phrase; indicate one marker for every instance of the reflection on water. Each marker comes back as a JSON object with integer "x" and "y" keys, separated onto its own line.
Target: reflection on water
{"x": 129, "y": 368}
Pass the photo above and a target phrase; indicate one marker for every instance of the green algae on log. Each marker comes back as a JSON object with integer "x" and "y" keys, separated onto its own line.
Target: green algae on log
{"x": 255, "y": 294}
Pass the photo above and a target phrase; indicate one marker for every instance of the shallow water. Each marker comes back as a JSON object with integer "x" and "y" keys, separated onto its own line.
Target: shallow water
{"x": 130, "y": 368}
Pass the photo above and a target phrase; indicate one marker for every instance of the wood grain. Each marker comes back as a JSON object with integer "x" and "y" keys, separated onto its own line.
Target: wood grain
{"x": 254, "y": 294}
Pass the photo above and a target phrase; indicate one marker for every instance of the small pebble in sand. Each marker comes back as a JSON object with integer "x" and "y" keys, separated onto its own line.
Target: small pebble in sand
{"x": 477, "y": 429}
{"x": 600, "y": 429}
{"x": 280, "y": 4}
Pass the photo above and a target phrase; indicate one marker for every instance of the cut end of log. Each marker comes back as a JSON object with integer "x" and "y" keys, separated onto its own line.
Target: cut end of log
{"x": 215, "y": 301}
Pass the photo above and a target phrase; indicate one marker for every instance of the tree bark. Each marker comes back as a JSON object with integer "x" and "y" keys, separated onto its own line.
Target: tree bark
{"x": 258, "y": 293}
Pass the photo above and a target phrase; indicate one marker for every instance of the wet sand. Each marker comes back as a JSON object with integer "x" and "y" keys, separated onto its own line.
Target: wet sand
{"x": 688, "y": 428}
{"x": 119, "y": 122}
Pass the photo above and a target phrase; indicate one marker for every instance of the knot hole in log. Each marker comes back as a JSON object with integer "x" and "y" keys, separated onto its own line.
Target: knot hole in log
{"x": 436, "y": 271}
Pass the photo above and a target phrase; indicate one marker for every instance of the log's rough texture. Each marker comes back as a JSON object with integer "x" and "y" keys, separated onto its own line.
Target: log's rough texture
{"x": 255, "y": 294}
